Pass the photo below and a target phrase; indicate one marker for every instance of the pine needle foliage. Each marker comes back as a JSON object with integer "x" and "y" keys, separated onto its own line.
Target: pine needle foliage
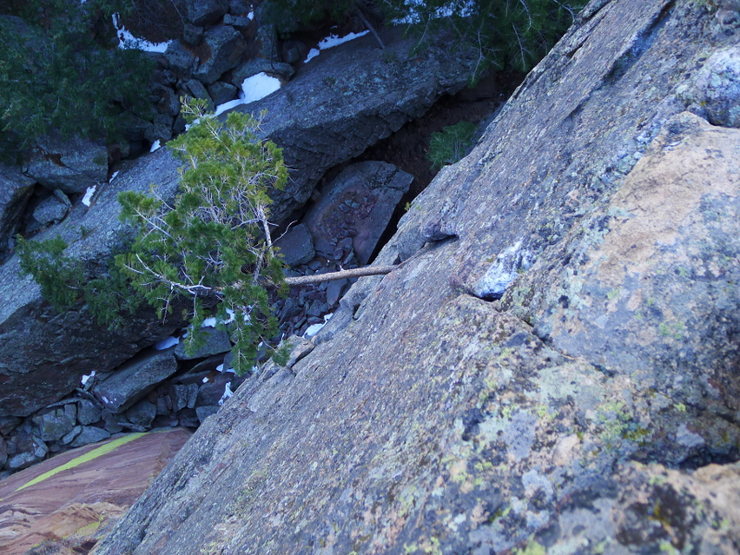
{"x": 212, "y": 245}
{"x": 60, "y": 71}
{"x": 450, "y": 144}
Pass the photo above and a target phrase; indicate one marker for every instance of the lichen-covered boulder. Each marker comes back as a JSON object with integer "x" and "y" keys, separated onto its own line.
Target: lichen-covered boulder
{"x": 552, "y": 369}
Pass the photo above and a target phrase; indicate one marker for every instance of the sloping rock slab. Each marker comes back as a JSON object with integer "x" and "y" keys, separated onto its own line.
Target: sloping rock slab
{"x": 86, "y": 490}
{"x": 43, "y": 353}
{"x": 130, "y": 383}
{"x": 70, "y": 164}
{"x": 339, "y": 104}
{"x": 429, "y": 419}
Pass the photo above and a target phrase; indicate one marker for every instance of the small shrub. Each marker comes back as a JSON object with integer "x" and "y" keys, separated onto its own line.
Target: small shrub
{"x": 450, "y": 144}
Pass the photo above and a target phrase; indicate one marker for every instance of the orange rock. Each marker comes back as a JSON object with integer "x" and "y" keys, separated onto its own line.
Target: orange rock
{"x": 68, "y": 502}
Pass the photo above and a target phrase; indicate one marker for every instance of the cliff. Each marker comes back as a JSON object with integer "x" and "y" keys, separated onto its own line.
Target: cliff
{"x": 554, "y": 368}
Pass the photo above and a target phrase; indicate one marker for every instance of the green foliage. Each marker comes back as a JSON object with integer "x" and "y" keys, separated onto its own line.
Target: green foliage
{"x": 60, "y": 277}
{"x": 65, "y": 282}
{"x": 212, "y": 244}
{"x": 211, "y": 247}
{"x": 509, "y": 34}
{"x": 60, "y": 71}
{"x": 450, "y": 144}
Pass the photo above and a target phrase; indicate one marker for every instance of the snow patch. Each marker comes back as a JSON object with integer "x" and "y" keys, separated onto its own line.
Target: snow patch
{"x": 259, "y": 86}
{"x": 227, "y": 393}
{"x": 166, "y": 343}
{"x": 330, "y": 42}
{"x": 87, "y": 377}
{"x": 112, "y": 177}
{"x": 127, "y": 41}
{"x": 509, "y": 264}
{"x": 254, "y": 88}
{"x": 89, "y": 195}
{"x": 155, "y": 146}
{"x": 313, "y": 329}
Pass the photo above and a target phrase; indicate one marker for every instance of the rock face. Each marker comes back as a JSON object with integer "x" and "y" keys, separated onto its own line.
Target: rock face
{"x": 83, "y": 493}
{"x": 341, "y": 103}
{"x": 552, "y": 370}
{"x": 71, "y": 165}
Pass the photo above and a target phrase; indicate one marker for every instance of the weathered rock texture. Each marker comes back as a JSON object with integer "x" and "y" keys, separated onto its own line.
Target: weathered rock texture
{"x": 558, "y": 377}
{"x": 83, "y": 493}
{"x": 344, "y": 101}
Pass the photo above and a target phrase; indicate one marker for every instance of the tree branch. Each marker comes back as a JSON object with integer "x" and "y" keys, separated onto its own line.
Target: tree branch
{"x": 342, "y": 274}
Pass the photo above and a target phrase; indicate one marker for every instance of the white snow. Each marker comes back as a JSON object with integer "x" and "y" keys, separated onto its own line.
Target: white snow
{"x": 313, "y": 329}
{"x": 87, "y": 377}
{"x": 330, "y": 42}
{"x": 453, "y": 7}
{"x": 155, "y": 145}
{"x": 220, "y": 368}
{"x": 112, "y": 177}
{"x": 254, "y": 88}
{"x": 221, "y": 108}
{"x": 227, "y": 393}
{"x": 259, "y": 86}
{"x": 88, "y": 195}
{"x": 209, "y": 322}
{"x": 127, "y": 41}
{"x": 166, "y": 343}
{"x": 250, "y": 16}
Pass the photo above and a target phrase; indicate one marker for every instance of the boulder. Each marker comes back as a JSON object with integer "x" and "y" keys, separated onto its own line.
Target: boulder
{"x": 50, "y": 210}
{"x": 205, "y": 12}
{"x": 141, "y": 415}
{"x": 34, "y": 334}
{"x": 296, "y": 246}
{"x": 179, "y": 58}
{"x": 260, "y": 65}
{"x": 359, "y": 204}
{"x": 89, "y": 434}
{"x": 426, "y": 418}
{"x": 349, "y": 96}
{"x": 130, "y": 383}
{"x": 225, "y": 48}
{"x": 71, "y": 164}
{"x": 56, "y": 423}
{"x": 15, "y": 191}
{"x": 222, "y": 92}
{"x": 88, "y": 412}
{"x": 318, "y": 124}
{"x": 214, "y": 342}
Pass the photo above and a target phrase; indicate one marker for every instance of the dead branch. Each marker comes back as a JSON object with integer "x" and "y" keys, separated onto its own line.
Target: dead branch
{"x": 342, "y": 274}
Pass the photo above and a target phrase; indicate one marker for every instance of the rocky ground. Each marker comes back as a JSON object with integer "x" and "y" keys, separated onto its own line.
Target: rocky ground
{"x": 342, "y": 203}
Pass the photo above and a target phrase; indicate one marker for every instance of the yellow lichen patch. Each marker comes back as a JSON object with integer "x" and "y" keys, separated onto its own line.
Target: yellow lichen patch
{"x": 90, "y": 455}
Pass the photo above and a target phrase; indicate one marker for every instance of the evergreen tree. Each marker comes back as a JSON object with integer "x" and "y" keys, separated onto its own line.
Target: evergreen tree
{"x": 212, "y": 245}
{"x": 60, "y": 70}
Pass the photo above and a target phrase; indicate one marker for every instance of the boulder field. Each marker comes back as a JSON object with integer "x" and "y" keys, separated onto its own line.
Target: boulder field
{"x": 554, "y": 367}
